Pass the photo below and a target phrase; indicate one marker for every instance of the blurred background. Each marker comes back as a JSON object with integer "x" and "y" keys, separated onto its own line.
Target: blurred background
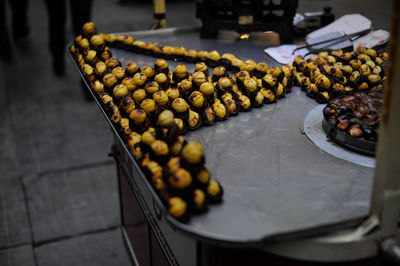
{"x": 58, "y": 187}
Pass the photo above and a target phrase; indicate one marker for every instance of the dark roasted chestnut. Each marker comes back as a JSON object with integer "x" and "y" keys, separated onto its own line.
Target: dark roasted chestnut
{"x": 208, "y": 116}
{"x": 214, "y": 191}
{"x": 194, "y": 120}
{"x": 200, "y": 202}
{"x": 178, "y": 209}
{"x": 355, "y": 131}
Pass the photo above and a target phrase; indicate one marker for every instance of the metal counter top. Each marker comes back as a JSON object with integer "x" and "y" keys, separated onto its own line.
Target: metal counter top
{"x": 278, "y": 184}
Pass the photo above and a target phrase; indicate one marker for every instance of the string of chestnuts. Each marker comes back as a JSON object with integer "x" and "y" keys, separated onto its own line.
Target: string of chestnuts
{"x": 337, "y": 73}
{"x": 153, "y": 106}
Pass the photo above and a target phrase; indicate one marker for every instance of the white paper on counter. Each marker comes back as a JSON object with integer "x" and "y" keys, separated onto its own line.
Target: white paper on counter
{"x": 347, "y": 24}
{"x": 372, "y": 39}
{"x": 283, "y": 53}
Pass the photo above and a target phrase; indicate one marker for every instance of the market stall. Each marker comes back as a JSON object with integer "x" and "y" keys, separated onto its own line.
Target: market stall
{"x": 279, "y": 186}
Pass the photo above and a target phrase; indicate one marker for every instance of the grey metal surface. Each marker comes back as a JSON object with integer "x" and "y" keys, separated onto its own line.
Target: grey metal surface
{"x": 276, "y": 180}
{"x": 277, "y": 183}
{"x": 315, "y": 132}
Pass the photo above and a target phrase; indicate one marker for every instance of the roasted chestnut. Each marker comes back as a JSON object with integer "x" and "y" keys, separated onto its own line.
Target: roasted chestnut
{"x": 200, "y": 202}
{"x": 151, "y": 87}
{"x": 245, "y": 103}
{"x": 98, "y": 86}
{"x": 218, "y": 73}
{"x": 269, "y": 95}
{"x": 191, "y": 55}
{"x": 177, "y": 146}
{"x": 225, "y": 60}
{"x": 173, "y": 93}
{"x": 269, "y": 81}
{"x": 185, "y": 87}
{"x": 224, "y": 85}
{"x": 166, "y": 119}
{"x": 88, "y": 72}
{"x": 194, "y": 120}
{"x": 248, "y": 66}
{"x": 109, "y": 82}
{"x": 277, "y": 73}
{"x": 124, "y": 127}
{"x": 323, "y": 82}
{"x": 132, "y": 68}
{"x": 230, "y": 103}
{"x": 162, "y": 81}
{"x": 212, "y": 58}
{"x": 151, "y": 108}
{"x": 129, "y": 83}
{"x": 208, "y": 116}
{"x": 178, "y": 209}
{"x": 197, "y": 100}
{"x": 261, "y": 70}
{"x": 280, "y": 91}
{"x": 202, "y": 67}
{"x": 161, "y": 98}
{"x": 323, "y": 97}
{"x": 139, "y": 95}
{"x": 140, "y": 79}
{"x": 198, "y": 78}
{"x": 258, "y": 100}
{"x": 214, "y": 191}
{"x": 355, "y": 131}
{"x": 208, "y": 91}
{"x": 159, "y": 151}
{"x": 180, "y": 108}
{"x": 182, "y": 127}
{"x": 139, "y": 118}
{"x": 100, "y": 70}
{"x": 192, "y": 156}
{"x": 220, "y": 110}
{"x": 88, "y": 30}
{"x": 312, "y": 90}
{"x": 104, "y": 55}
{"x": 91, "y": 57}
{"x": 239, "y": 79}
{"x": 134, "y": 145}
{"x": 97, "y": 42}
{"x": 113, "y": 62}
{"x": 120, "y": 91}
{"x": 161, "y": 66}
{"x": 149, "y": 72}
{"x": 180, "y": 73}
{"x": 250, "y": 86}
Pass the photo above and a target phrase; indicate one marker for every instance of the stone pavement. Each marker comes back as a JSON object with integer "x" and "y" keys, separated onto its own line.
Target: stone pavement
{"x": 58, "y": 188}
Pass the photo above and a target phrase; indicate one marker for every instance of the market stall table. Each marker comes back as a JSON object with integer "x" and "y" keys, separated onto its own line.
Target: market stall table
{"x": 278, "y": 185}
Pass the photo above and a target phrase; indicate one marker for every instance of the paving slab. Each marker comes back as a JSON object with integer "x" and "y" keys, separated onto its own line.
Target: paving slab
{"x": 9, "y": 166}
{"x": 104, "y": 248}
{"x": 55, "y": 128}
{"x": 8, "y": 160}
{"x": 74, "y": 202}
{"x": 14, "y": 222}
{"x": 18, "y": 256}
